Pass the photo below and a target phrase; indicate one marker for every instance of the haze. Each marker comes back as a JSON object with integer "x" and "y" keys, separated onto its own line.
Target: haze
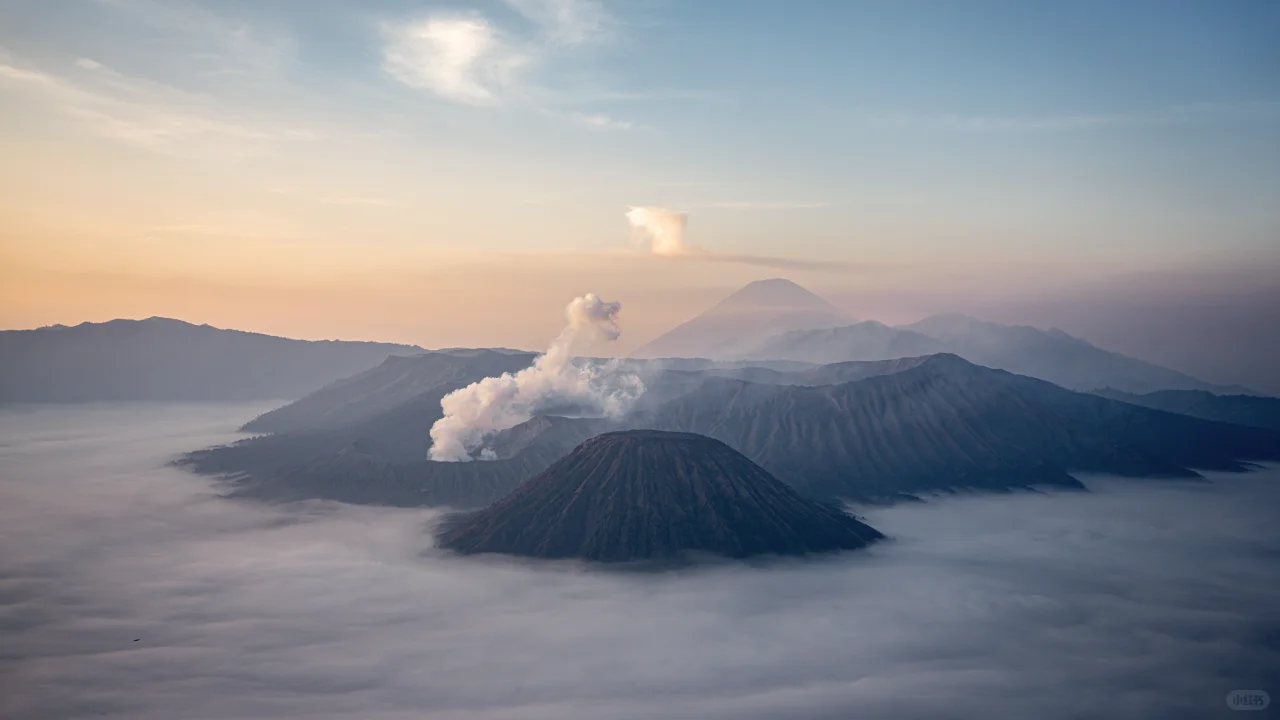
{"x": 347, "y": 169}
{"x": 132, "y": 590}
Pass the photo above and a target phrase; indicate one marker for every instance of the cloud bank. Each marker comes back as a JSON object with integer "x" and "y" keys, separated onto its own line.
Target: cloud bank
{"x": 1044, "y": 606}
{"x": 553, "y": 381}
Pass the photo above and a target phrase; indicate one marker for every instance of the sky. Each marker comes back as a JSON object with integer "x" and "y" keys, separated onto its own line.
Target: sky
{"x": 452, "y": 173}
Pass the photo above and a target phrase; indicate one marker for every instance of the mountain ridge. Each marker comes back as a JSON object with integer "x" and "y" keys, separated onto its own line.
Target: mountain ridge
{"x": 891, "y": 428}
{"x": 163, "y": 359}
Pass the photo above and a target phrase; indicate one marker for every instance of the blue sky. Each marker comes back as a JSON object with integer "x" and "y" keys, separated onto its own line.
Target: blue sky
{"x": 239, "y": 141}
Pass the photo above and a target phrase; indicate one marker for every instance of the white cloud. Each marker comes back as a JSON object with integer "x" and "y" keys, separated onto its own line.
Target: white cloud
{"x": 462, "y": 58}
{"x": 466, "y": 58}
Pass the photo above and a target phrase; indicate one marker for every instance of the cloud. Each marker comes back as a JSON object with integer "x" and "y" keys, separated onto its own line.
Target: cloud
{"x": 568, "y": 22}
{"x": 461, "y": 58}
{"x": 224, "y": 45}
{"x": 1024, "y": 605}
{"x": 469, "y": 59}
{"x": 604, "y": 122}
{"x": 145, "y": 113}
{"x": 662, "y": 232}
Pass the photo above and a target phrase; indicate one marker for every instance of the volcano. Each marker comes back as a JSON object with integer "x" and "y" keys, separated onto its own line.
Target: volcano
{"x": 646, "y": 494}
{"x": 737, "y": 325}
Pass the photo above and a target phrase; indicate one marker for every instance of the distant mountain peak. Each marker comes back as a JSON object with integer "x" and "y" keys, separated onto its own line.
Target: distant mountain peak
{"x": 738, "y": 324}
{"x": 774, "y": 293}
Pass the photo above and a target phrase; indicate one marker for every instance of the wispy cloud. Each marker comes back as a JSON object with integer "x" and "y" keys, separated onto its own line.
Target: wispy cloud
{"x": 661, "y": 231}
{"x": 224, "y": 45}
{"x": 141, "y": 112}
{"x": 462, "y": 58}
{"x": 568, "y": 22}
{"x": 601, "y": 121}
{"x": 469, "y": 59}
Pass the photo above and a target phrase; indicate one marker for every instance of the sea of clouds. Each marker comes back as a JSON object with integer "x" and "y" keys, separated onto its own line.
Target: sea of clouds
{"x": 130, "y": 589}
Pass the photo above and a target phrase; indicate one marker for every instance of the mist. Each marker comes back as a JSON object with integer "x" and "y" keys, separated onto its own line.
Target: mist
{"x": 132, "y": 589}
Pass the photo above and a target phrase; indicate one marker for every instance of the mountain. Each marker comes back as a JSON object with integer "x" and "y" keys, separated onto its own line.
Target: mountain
{"x": 644, "y": 494}
{"x": 742, "y": 320}
{"x": 414, "y": 384}
{"x": 394, "y": 383}
{"x": 945, "y": 422}
{"x": 1239, "y": 409}
{"x": 163, "y": 359}
{"x": 867, "y": 340}
{"x": 1051, "y": 355}
{"x": 864, "y": 431}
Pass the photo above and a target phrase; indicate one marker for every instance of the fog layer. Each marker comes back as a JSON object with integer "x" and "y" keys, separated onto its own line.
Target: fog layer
{"x": 130, "y": 589}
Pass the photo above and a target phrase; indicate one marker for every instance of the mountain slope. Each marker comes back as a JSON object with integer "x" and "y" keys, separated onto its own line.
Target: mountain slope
{"x": 393, "y": 383}
{"x": 1050, "y": 355}
{"x": 742, "y": 320}
{"x": 163, "y": 359}
{"x": 864, "y": 341}
{"x": 643, "y": 494}
{"x": 1239, "y": 409}
{"x": 852, "y": 430}
{"x": 946, "y": 422}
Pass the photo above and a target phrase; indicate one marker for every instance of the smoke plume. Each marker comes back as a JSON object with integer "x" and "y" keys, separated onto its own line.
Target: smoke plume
{"x": 553, "y": 381}
{"x": 659, "y": 229}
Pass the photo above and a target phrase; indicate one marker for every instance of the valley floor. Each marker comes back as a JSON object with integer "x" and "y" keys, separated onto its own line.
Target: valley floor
{"x": 129, "y": 588}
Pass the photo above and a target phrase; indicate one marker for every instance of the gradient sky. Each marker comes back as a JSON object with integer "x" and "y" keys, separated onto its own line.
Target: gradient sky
{"x": 452, "y": 173}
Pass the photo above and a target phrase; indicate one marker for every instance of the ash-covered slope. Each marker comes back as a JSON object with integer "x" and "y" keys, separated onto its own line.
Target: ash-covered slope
{"x": 1239, "y": 409}
{"x": 394, "y": 383}
{"x": 644, "y": 494}
{"x": 945, "y": 422}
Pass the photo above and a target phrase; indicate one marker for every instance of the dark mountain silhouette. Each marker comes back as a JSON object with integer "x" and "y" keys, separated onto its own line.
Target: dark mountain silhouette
{"x": 1050, "y": 355}
{"x": 1239, "y": 409}
{"x": 163, "y": 359}
{"x": 865, "y": 431}
{"x": 643, "y": 495}
{"x": 743, "y": 320}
